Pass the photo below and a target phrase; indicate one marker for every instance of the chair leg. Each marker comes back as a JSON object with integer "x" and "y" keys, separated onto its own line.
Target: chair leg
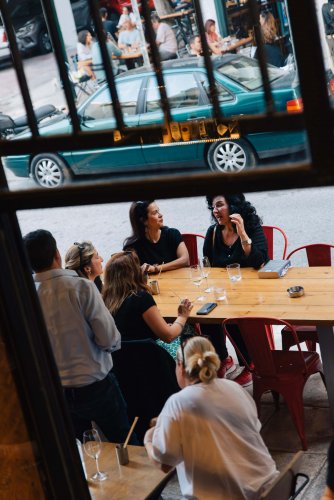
{"x": 295, "y": 404}
{"x": 311, "y": 345}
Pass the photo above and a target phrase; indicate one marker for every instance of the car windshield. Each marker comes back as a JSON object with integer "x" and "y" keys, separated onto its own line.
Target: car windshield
{"x": 246, "y": 72}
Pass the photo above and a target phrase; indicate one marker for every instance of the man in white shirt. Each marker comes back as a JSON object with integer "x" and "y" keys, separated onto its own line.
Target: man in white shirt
{"x": 83, "y": 334}
{"x": 165, "y": 39}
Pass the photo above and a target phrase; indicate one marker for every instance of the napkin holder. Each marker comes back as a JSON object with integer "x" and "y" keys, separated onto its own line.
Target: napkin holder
{"x": 274, "y": 269}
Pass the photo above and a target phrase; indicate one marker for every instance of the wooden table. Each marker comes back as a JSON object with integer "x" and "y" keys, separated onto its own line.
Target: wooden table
{"x": 264, "y": 297}
{"x": 237, "y": 44}
{"x": 137, "y": 479}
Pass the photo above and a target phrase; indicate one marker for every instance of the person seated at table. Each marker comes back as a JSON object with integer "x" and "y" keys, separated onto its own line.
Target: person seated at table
{"x": 128, "y": 298}
{"x": 210, "y": 432}
{"x": 84, "y": 53}
{"x": 165, "y": 39}
{"x": 195, "y": 46}
{"x": 126, "y": 15}
{"x": 129, "y": 41}
{"x": 215, "y": 41}
{"x": 159, "y": 248}
{"x": 108, "y": 26}
{"x": 269, "y": 35}
{"x": 235, "y": 236}
{"x": 113, "y": 50}
{"x": 83, "y": 258}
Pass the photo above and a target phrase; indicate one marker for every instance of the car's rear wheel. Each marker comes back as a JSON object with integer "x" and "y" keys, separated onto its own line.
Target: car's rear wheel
{"x": 44, "y": 42}
{"x": 230, "y": 156}
{"x": 49, "y": 170}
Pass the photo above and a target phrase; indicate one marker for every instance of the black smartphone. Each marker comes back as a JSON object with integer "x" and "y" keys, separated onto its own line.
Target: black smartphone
{"x": 207, "y": 308}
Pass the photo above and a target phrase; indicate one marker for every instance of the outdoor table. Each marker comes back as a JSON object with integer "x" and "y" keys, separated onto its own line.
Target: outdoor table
{"x": 253, "y": 296}
{"x": 138, "y": 479}
{"x": 237, "y": 44}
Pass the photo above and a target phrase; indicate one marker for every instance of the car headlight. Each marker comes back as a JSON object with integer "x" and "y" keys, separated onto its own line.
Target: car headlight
{"x": 26, "y": 30}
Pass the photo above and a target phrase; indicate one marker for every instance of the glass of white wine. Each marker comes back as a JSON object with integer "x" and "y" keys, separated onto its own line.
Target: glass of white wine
{"x": 196, "y": 276}
{"x": 206, "y": 272}
{"x": 92, "y": 446}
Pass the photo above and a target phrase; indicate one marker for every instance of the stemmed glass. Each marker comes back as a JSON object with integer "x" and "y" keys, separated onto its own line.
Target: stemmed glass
{"x": 92, "y": 446}
{"x": 206, "y": 271}
{"x": 196, "y": 276}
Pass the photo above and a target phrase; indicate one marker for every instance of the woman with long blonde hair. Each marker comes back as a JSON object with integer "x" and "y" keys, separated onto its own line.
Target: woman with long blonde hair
{"x": 128, "y": 298}
{"x": 210, "y": 431}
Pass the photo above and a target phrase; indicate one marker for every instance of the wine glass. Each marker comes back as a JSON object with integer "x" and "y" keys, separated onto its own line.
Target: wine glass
{"x": 206, "y": 271}
{"x": 92, "y": 446}
{"x": 196, "y": 276}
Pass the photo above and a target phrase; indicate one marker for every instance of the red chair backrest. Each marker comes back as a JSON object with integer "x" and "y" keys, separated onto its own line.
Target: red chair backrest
{"x": 269, "y": 232}
{"x": 254, "y": 332}
{"x": 318, "y": 254}
{"x": 190, "y": 240}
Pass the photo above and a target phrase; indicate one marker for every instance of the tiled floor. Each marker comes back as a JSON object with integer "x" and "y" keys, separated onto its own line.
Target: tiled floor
{"x": 279, "y": 434}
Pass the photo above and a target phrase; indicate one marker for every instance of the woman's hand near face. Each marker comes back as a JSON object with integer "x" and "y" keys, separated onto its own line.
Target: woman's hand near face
{"x": 185, "y": 308}
{"x": 239, "y": 224}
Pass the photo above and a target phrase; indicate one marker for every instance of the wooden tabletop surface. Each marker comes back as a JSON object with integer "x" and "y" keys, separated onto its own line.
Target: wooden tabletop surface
{"x": 177, "y": 14}
{"x": 137, "y": 479}
{"x": 253, "y": 296}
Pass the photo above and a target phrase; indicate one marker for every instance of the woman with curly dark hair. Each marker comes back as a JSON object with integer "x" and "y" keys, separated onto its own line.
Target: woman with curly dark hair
{"x": 236, "y": 236}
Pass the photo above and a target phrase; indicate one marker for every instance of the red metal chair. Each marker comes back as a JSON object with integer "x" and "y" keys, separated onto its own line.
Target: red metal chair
{"x": 318, "y": 254}
{"x": 190, "y": 240}
{"x": 269, "y": 232}
{"x": 278, "y": 371}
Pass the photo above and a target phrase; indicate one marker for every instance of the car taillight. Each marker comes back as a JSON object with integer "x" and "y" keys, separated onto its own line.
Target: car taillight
{"x": 331, "y": 86}
{"x": 4, "y": 37}
{"x": 295, "y": 105}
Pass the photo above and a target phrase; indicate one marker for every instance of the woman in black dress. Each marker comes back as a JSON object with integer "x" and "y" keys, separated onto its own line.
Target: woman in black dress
{"x": 159, "y": 248}
{"x": 235, "y": 236}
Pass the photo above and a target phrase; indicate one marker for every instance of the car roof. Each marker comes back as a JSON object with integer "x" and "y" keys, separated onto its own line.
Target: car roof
{"x": 184, "y": 62}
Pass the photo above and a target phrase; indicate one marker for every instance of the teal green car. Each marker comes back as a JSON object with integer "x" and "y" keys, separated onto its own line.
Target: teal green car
{"x": 191, "y": 141}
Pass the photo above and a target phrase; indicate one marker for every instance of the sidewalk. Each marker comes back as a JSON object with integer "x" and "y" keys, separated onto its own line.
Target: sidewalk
{"x": 280, "y": 435}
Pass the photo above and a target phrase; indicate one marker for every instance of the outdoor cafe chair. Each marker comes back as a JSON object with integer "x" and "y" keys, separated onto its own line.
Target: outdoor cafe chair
{"x": 270, "y": 233}
{"x": 317, "y": 254}
{"x": 190, "y": 240}
{"x": 289, "y": 483}
{"x": 281, "y": 372}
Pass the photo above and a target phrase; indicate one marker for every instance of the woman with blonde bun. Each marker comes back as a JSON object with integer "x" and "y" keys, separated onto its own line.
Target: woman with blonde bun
{"x": 210, "y": 432}
{"x": 83, "y": 258}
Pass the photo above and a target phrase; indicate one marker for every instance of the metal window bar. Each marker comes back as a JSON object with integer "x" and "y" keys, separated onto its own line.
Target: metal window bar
{"x": 17, "y": 62}
{"x": 254, "y": 12}
{"x": 94, "y": 9}
{"x": 208, "y": 63}
{"x": 156, "y": 61}
{"x": 51, "y": 18}
{"x": 313, "y": 101}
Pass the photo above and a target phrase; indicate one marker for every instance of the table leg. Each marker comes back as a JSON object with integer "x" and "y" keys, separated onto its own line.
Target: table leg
{"x": 326, "y": 339}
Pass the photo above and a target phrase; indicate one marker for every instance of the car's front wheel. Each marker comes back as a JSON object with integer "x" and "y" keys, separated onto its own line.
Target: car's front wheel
{"x": 230, "y": 156}
{"x": 44, "y": 42}
{"x": 49, "y": 170}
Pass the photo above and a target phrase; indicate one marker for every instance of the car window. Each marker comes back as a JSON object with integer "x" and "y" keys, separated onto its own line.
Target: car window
{"x": 222, "y": 93}
{"x": 100, "y": 106}
{"x": 182, "y": 91}
{"x": 246, "y": 71}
